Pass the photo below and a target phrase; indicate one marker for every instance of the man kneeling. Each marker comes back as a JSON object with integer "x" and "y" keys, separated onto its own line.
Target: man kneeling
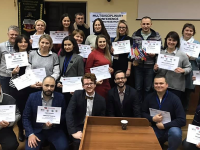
{"x": 164, "y": 100}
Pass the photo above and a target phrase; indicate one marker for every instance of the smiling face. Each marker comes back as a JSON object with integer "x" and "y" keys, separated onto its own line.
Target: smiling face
{"x": 68, "y": 46}
{"x": 122, "y": 29}
{"x": 102, "y": 43}
{"x": 89, "y": 86}
{"x": 146, "y": 25}
{"x": 97, "y": 26}
{"x": 40, "y": 27}
{"x": 66, "y": 22}
{"x": 44, "y": 44}
{"x": 160, "y": 85}
{"x": 78, "y": 38}
{"x": 22, "y": 45}
{"x": 171, "y": 43}
{"x": 120, "y": 79}
{"x": 12, "y": 35}
{"x": 188, "y": 33}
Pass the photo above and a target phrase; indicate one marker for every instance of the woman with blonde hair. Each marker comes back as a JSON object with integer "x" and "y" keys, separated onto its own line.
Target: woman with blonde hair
{"x": 98, "y": 57}
{"x": 40, "y": 26}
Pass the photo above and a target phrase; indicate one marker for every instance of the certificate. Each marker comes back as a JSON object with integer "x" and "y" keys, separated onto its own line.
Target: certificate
{"x": 7, "y": 113}
{"x": 58, "y": 36}
{"x": 101, "y": 72}
{"x": 71, "y": 84}
{"x": 85, "y": 50}
{"x": 196, "y": 73}
{"x": 35, "y": 39}
{"x": 16, "y": 59}
{"x": 39, "y": 73}
{"x": 166, "y": 115}
{"x": 121, "y": 47}
{"x": 167, "y": 62}
{"x": 191, "y": 49}
{"x": 193, "y": 134}
{"x": 48, "y": 114}
{"x": 25, "y": 81}
{"x": 151, "y": 46}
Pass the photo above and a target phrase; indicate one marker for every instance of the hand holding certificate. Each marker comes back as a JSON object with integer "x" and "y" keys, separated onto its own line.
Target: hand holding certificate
{"x": 193, "y": 135}
{"x": 71, "y": 84}
{"x": 35, "y": 39}
{"x": 48, "y": 114}
{"x": 85, "y": 50}
{"x": 101, "y": 72}
{"x": 121, "y": 47}
{"x": 166, "y": 115}
{"x": 7, "y": 113}
{"x": 151, "y": 46}
{"x": 191, "y": 49}
{"x": 58, "y": 36}
{"x": 16, "y": 59}
{"x": 167, "y": 62}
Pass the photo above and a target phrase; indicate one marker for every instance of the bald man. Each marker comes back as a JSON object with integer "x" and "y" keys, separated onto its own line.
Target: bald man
{"x": 36, "y": 133}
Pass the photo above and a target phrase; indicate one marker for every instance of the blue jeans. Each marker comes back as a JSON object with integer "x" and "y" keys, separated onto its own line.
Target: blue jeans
{"x": 55, "y": 136}
{"x": 4, "y": 81}
{"x": 172, "y": 135}
{"x": 143, "y": 81}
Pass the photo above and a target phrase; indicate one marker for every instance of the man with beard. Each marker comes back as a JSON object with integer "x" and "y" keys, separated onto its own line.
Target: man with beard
{"x": 39, "y": 132}
{"x": 83, "y": 103}
{"x": 122, "y": 100}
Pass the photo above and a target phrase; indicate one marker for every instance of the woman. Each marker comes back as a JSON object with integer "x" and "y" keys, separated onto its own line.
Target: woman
{"x": 100, "y": 56}
{"x": 71, "y": 64}
{"x": 65, "y": 25}
{"x": 79, "y": 36}
{"x": 98, "y": 28}
{"x": 121, "y": 61}
{"x": 188, "y": 32}
{"x": 40, "y": 26}
{"x": 176, "y": 78}
{"x": 44, "y": 58}
{"x": 22, "y": 44}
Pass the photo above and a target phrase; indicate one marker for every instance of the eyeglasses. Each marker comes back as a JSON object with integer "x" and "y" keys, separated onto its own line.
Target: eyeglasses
{"x": 87, "y": 84}
{"x": 122, "y": 78}
{"x": 122, "y": 27}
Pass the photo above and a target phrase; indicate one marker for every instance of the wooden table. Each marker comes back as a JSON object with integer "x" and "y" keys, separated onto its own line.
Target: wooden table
{"x": 105, "y": 133}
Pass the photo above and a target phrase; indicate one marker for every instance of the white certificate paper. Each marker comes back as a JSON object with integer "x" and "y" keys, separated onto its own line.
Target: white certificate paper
{"x": 58, "y": 36}
{"x": 101, "y": 72}
{"x": 85, "y": 50}
{"x": 71, "y": 84}
{"x": 35, "y": 39}
{"x": 191, "y": 49}
{"x": 167, "y": 62}
{"x": 151, "y": 46}
{"x": 7, "y": 113}
{"x": 166, "y": 115}
{"x": 16, "y": 59}
{"x": 39, "y": 73}
{"x": 121, "y": 47}
{"x": 48, "y": 114}
{"x": 25, "y": 81}
{"x": 196, "y": 73}
{"x": 193, "y": 134}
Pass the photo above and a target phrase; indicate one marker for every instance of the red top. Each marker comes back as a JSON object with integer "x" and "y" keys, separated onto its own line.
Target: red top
{"x": 95, "y": 59}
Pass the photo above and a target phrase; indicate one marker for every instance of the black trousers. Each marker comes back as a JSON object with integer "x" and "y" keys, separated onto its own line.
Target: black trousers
{"x": 8, "y": 139}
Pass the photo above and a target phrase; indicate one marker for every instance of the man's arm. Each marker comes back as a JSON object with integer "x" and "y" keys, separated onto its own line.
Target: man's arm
{"x": 136, "y": 105}
{"x": 145, "y": 110}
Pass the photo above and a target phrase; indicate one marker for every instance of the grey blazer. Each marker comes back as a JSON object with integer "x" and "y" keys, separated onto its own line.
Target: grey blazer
{"x": 75, "y": 67}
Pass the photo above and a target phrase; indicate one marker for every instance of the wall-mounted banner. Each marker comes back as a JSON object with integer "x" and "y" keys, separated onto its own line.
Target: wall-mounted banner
{"x": 110, "y": 21}
{"x": 28, "y": 12}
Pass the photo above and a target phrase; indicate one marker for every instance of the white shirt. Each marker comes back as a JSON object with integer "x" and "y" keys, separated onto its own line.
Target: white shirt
{"x": 89, "y": 105}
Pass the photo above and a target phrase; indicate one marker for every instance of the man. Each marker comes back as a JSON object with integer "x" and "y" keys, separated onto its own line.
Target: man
{"x": 6, "y": 48}
{"x": 144, "y": 69}
{"x": 122, "y": 100}
{"x": 39, "y": 132}
{"x": 83, "y": 103}
{"x": 79, "y": 24}
{"x": 8, "y": 139}
{"x": 164, "y": 100}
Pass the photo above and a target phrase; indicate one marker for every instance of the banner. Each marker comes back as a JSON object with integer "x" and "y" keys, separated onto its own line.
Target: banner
{"x": 110, "y": 21}
{"x": 28, "y": 12}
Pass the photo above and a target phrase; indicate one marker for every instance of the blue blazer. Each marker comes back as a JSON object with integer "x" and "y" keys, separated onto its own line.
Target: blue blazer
{"x": 30, "y": 112}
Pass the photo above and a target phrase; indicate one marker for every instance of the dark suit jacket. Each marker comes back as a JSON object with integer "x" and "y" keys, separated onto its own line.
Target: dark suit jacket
{"x": 76, "y": 111}
{"x": 75, "y": 67}
{"x": 130, "y": 106}
{"x": 30, "y": 112}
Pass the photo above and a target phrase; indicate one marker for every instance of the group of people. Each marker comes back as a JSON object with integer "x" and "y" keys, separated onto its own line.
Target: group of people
{"x": 114, "y": 97}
